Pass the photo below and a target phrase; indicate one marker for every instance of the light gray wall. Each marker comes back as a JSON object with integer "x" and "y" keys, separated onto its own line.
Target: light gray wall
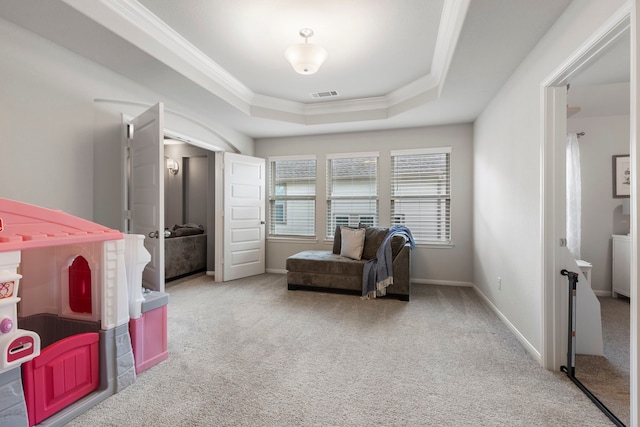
{"x": 601, "y": 213}
{"x": 186, "y": 192}
{"x": 507, "y": 208}
{"x": 196, "y": 189}
{"x": 60, "y": 127}
{"x": 173, "y": 189}
{"x": 429, "y": 264}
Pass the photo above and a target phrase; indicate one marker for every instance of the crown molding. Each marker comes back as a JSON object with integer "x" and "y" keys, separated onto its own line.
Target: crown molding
{"x": 156, "y": 28}
{"x": 451, "y": 21}
{"x": 136, "y": 24}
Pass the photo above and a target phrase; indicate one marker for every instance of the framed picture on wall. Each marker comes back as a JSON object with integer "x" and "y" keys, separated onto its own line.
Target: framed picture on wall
{"x": 621, "y": 176}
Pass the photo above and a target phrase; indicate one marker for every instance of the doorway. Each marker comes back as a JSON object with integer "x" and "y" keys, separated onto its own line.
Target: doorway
{"x": 188, "y": 237}
{"x": 599, "y": 115}
{"x": 234, "y": 206}
{"x": 556, "y": 126}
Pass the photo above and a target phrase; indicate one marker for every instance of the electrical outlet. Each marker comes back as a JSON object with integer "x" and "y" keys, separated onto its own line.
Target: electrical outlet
{"x": 499, "y": 283}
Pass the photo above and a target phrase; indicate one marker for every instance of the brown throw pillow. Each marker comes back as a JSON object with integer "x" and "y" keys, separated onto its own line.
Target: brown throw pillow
{"x": 372, "y": 241}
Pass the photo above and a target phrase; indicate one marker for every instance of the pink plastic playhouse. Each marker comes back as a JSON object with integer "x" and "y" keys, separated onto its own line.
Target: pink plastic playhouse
{"x": 70, "y": 302}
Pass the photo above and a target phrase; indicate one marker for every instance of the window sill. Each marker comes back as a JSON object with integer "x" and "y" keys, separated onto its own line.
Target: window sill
{"x": 314, "y": 240}
{"x": 301, "y": 240}
{"x": 435, "y": 245}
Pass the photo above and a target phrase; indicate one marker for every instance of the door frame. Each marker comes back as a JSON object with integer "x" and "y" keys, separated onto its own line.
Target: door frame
{"x": 553, "y": 134}
{"x": 219, "y": 217}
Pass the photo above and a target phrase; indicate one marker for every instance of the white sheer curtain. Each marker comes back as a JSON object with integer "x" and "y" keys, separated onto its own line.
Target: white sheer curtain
{"x": 574, "y": 190}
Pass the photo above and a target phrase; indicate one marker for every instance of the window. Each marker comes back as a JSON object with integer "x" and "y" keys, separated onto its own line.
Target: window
{"x": 279, "y": 207}
{"x": 342, "y": 220}
{"x": 421, "y": 193}
{"x": 292, "y": 196}
{"x": 367, "y": 220}
{"x": 352, "y": 190}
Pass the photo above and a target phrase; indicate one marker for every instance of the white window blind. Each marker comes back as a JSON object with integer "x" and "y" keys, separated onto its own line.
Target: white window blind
{"x": 352, "y": 190}
{"x": 292, "y": 196}
{"x": 421, "y": 193}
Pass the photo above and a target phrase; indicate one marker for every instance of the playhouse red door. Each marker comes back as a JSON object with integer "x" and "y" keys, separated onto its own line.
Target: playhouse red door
{"x": 63, "y": 373}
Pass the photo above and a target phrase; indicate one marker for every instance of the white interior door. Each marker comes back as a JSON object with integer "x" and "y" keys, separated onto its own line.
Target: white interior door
{"x": 244, "y": 216}
{"x": 146, "y": 198}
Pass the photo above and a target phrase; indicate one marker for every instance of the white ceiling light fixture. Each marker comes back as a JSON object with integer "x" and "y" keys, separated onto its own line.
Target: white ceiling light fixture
{"x": 306, "y": 58}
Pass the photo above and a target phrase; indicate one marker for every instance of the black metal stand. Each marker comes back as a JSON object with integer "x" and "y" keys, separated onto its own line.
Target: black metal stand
{"x": 570, "y": 369}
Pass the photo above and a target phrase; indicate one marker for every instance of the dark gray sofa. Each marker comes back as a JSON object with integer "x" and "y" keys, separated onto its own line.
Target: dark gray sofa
{"x": 184, "y": 255}
{"x": 327, "y": 271}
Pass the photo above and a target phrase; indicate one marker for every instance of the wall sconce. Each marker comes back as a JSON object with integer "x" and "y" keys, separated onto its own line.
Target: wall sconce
{"x": 173, "y": 166}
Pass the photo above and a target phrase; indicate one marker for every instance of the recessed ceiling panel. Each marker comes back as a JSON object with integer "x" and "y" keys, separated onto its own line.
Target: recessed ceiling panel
{"x": 374, "y": 46}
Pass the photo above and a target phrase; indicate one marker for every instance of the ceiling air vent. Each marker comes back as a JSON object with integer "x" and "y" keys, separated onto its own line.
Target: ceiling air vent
{"x": 326, "y": 94}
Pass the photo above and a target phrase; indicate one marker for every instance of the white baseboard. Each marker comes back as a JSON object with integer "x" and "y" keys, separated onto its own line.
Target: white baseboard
{"x": 527, "y": 345}
{"x": 275, "y": 271}
{"x": 602, "y": 293}
{"x": 440, "y": 282}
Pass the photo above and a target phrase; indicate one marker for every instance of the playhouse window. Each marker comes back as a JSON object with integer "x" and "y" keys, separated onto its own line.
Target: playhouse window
{"x": 80, "y": 286}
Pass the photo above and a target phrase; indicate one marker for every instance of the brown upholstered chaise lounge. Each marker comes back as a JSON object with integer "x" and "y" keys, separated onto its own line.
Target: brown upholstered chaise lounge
{"x": 328, "y": 271}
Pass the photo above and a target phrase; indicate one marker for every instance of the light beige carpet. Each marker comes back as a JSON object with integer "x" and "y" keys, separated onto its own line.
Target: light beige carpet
{"x": 251, "y": 353}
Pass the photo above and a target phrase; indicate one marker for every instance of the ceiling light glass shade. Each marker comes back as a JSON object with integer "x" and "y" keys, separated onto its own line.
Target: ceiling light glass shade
{"x": 305, "y": 58}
